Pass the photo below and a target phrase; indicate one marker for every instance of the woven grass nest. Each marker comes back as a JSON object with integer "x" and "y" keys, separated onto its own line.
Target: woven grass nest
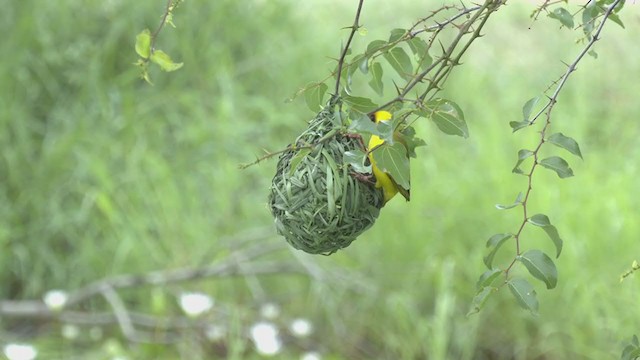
{"x": 318, "y": 205}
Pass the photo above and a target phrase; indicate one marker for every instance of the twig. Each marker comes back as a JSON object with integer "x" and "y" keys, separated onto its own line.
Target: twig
{"x": 354, "y": 28}
{"x": 155, "y": 34}
{"x": 547, "y": 109}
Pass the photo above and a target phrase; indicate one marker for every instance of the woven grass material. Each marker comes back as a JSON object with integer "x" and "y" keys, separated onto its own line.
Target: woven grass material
{"x": 319, "y": 207}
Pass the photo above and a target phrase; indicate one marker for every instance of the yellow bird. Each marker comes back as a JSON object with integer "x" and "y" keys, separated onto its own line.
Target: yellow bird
{"x": 389, "y": 187}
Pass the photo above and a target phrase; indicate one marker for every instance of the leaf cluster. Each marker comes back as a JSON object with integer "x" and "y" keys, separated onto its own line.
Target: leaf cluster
{"x": 145, "y": 46}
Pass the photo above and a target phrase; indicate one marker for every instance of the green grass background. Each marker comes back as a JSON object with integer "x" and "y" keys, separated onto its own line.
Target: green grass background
{"x": 102, "y": 174}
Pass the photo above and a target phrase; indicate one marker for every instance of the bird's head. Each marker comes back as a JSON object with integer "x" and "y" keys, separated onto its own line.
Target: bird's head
{"x": 381, "y": 115}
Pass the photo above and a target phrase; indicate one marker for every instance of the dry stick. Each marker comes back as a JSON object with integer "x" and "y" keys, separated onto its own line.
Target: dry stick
{"x": 547, "y": 111}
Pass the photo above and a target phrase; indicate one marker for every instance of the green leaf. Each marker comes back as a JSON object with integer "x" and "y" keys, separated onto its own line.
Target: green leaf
{"x": 364, "y": 65}
{"x": 616, "y": 19}
{"x": 297, "y": 158}
{"x": 164, "y": 61}
{"x": 360, "y": 104}
{"x": 314, "y": 95}
{"x": 564, "y": 16}
{"x": 447, "y": 115}
{"x": 400, "y": 62}
{"x": 480, "y": 299}
{"x": 524, "y": 293}
{"x": 393, "y": 160}
{"x": 408, "y": 138}
{"x": 375, "y": 45}
{"x": 527, "y": 108}
{"x": 494, "y": 243}
{"x": 363, "y": 125}
{"x": 540, "y": 266}
{"x": 539, "y": 220}
{"x": 517, "y": 202}
{"x": 588, "y": 17}
{"x": 358, "y": 160}
{"x": 559, "y": 165}
{"x": 630, "y": 352}
{"x": 523, "y": 154}
{"x": 420, "y": 49}
{"x": 376, "y": 78}
{"x": 517, "y": 125}
{"x": 488, "y": 277}
{"x": 396, "y": 34}
{"x": 143, "y": 44}
{"x": 565, "y": 142}
{"x": 542, "y": 221}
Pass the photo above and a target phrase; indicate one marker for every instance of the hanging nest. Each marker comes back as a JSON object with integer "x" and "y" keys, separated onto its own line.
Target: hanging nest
{"x": 318, "y": 205}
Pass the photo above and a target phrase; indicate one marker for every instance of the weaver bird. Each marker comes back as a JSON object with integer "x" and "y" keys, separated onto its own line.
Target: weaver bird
{"x": 383, "y": 179}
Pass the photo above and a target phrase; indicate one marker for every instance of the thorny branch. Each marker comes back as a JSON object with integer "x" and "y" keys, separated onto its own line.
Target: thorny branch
{"x": 546, "y": 110}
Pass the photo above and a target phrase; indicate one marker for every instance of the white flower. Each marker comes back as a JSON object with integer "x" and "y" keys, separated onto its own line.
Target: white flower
{"x": 270, "y": 311}
{"x": 195, "y": 304}
{"x": 95, "y": 333}
{"x": 20, "y": 352}
{"x": 266, "y": 339}
{"x": 55, "y": 299}
{"x": 301, "y": 327}
{"x": 215, "y": 332}
{"x": 311, "y": 355}
{"x": 70, "y": 331}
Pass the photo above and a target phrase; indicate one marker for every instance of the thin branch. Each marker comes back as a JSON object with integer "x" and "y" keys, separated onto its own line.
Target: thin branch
{"x": 547, "y": 109}
{"x": 354, "y": 28}
{"x": 163, "y": 22}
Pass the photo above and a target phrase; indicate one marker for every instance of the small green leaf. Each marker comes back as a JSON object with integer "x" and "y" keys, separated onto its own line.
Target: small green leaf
{"x": 564, "y": 16}
{"x": 164, "y": 61}
{"x": 400, "y": 62}
{"x": 396, "y": 34}
{"x": 542, "y": 221}
{"x": 559, "y": 165}
{"x": 480, "y": 299}
{"x": 314, "y": 95}
{"x": 358, "y": 160}
{"x": 588, "y": 17}
{"x": 393, "y": 160}
{"x": 143, "y": 44}
{"x": 420, "y": 49}
{"x": 408, "y": 138}
{"x": 364, "y": 65}
{"x": 540, "y": 266}
{"x": 363, "y": 125}
{"x": 362, "y": 31}
{"x": 447, "y": 115}
{"x": 494, "y": 243}
{"x": 517, "y": 125}
{"x": 565, "y": 142}
{"x": 297, "y": 158}
{"x": 376, "y": 78}
{"x": 616, "y": 19}
{"x": 539, "y": 220}
{"x": 375, "y": 45}
{"x": 517, "y": 202}
{"x": 360, "y": 104}
{"x": 488, "y": 277}
{"x": 527, "y": 108}
{"x": 523, "y": 154}
{"x": 524, "y": 293}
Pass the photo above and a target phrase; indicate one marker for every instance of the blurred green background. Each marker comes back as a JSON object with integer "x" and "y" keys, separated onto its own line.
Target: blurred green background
{"x": 102, "y": 174}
